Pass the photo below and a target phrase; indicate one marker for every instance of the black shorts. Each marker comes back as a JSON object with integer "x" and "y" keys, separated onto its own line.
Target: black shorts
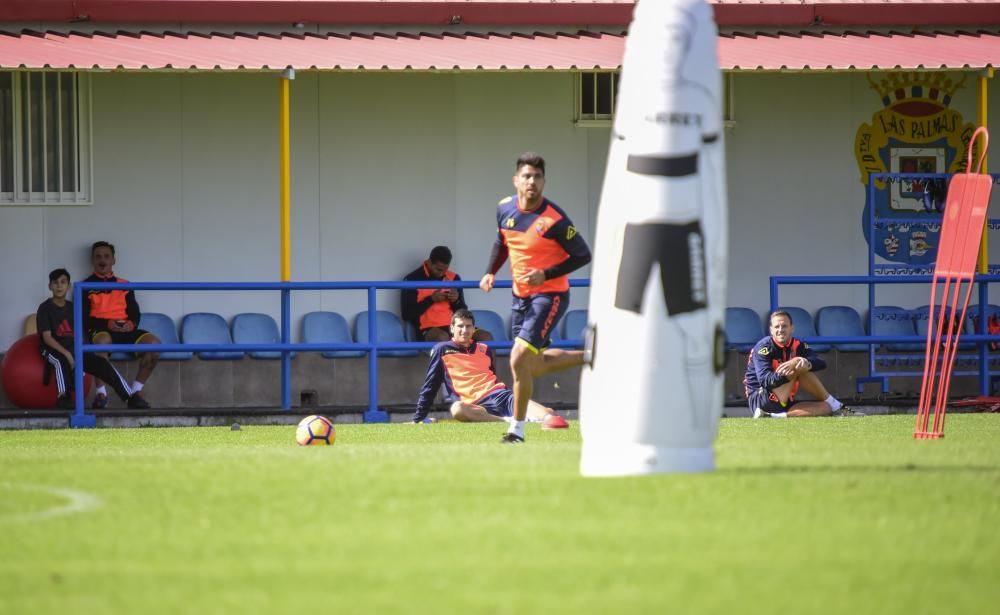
{"x": 122, "y": 337}
{"x": 767, "y": 402}
{"x": 533, "y": 319}
{"x": 498, "y": 403}
{"x": 423, "y": 332}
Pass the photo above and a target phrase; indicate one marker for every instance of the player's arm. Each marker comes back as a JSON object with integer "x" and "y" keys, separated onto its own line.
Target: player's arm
{"x": 43, "y": 320}
{"x": 432, "y": 382}
{"x": 409, "y": 306}
{"x": 93, "y": 324}
{"x": 577, "y": 251}
{"x": 459, "y": 303}
{"x": 54, "y": 344}
{"x": 766, "y": 375}
{"x": 807, "y": 353}
{"x": 132, "y": 311}
{"x": 498, "y": 255}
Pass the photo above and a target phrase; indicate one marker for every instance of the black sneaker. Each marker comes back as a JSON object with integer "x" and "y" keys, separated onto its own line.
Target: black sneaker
{"x": 847, "y": 411}
{"x": 100, "y": 402}
{"x": 511, "y": 438}
{"x": 65, "y": 403}
{"x": 137, "y": 402}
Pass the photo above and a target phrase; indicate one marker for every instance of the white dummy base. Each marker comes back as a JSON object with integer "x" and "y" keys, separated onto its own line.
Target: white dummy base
{"x": 638, "y": 459}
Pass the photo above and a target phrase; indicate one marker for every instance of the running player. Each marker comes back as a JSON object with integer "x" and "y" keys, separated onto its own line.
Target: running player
{"x": 544, "y": 248}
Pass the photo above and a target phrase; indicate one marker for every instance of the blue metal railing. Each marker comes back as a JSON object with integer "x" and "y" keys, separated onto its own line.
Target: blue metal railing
{"x": 286, "y": 347}
{"x": 981, "y": 339}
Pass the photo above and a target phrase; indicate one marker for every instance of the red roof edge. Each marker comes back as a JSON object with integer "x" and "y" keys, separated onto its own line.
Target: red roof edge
{"x": 499, "y": 13}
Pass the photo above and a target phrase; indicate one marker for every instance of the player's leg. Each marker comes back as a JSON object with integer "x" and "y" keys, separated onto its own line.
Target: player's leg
{"x": 541, "y": 315}
{"x": 101, "y": 368}
{"x": 811, "y": 383}
{"x": 101, "y": 392}
{"x": 147, "y": 360}
{"x": 809, "y": 408}
{"x": 434, "y": 334}
{"x": 557, "y": 359}
{"x": 471, "y": 413}
{"x": 546, "y": 416}
{"x": 64, "y": 378}
{"x": 525, "y": 361}
{"x": 518, "y": 312}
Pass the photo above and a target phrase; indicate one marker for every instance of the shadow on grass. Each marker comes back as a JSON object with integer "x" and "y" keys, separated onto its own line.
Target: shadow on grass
{"x": 906, "y": 467}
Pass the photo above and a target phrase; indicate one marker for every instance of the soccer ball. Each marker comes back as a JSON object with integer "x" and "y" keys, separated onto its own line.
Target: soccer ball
{"x": 315, "y": 430}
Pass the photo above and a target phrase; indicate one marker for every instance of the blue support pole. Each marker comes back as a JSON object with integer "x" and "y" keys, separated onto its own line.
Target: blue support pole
{"x": 983, "y": 329}
{"x": 286, "y": 357}
{"x": 374, "y": 413}
{"x": 79, "y": 419}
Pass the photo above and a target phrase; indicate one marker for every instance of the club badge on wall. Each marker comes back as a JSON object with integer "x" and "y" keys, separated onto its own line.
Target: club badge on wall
{"x": 916, "y": 131}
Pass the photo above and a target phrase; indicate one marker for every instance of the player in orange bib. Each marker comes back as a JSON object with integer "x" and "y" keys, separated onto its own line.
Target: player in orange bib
{"x": 465, "y": 366}
{"x": 544, "y": 248}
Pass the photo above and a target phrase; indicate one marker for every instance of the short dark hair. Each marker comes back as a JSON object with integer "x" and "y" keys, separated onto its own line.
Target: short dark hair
{"x": 441, "y": 254}
{"x": 464, "y": 315}
{"x": 779, "y": 313}
{"x": 55, "y": 274}
{"x": 102, "y": 244}
{"x": 532, "y": 159}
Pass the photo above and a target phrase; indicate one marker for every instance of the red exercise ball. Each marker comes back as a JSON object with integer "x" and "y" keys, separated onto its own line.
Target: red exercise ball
{"x": 22, "y": 371}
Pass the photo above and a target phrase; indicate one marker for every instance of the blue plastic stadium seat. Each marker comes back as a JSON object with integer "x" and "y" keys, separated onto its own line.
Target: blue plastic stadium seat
{"x": 328, "y": 328}
{"x": 802, "y": 321}
{"x": 208, "y": 328}
{"x": 255, "y": 328}
{"x": 388, "y": 328}
{"x": 574, "y": 324}
{"x": 163, "y": 327}
{"x": 841, "y": 321}
{"x": 972, "y": 317}
{"x": 743, "y": 328}
{"x": 894, "y": 320}
{"x": 921, "y": 318}
{"x": 490, "y": 321}
{"x": 410, "y": 332}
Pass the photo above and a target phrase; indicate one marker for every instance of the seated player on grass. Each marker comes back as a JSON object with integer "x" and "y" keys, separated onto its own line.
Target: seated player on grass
{"x": 778, "y": 364}
{"x": 466, "y": 368}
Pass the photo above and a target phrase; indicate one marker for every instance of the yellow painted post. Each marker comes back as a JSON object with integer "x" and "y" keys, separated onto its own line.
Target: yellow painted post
{"x": 982, "y": 100}
{"x": 284, "y": 186}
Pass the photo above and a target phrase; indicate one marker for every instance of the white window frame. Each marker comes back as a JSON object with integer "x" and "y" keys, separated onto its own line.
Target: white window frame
{"x": 20, "y": 194}
{"x": 592, "y": 120}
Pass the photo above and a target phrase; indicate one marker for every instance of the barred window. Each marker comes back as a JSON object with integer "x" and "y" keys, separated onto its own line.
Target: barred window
{"x": 596, "y": 96}
{"x": 44, "y": 138}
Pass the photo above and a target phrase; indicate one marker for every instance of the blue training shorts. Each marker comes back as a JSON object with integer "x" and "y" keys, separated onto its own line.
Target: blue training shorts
{"x": 766, "y": 402}
{"x": 499, "y": 402}
{"x": 534, "y": 318}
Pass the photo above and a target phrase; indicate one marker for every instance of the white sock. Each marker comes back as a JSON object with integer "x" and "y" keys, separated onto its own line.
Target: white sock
{"x": 833, "y": 402}
{"x": 779, "y": 415}
{"x": 102, "y": 390}
{"x": 516, "y": 427}
{"x": 136, "y": 386}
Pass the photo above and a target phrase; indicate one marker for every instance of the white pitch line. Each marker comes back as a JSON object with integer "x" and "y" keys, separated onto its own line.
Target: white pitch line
{"x": 76, "y": 502}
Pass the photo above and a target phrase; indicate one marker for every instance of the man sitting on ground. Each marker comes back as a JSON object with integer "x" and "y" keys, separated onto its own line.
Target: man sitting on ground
{"x": 778, "y": 364}
{"x": 466, "y": 368}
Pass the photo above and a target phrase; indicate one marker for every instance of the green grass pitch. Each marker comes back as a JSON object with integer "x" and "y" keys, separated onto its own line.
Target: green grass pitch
{"x": 802, "y": 516}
